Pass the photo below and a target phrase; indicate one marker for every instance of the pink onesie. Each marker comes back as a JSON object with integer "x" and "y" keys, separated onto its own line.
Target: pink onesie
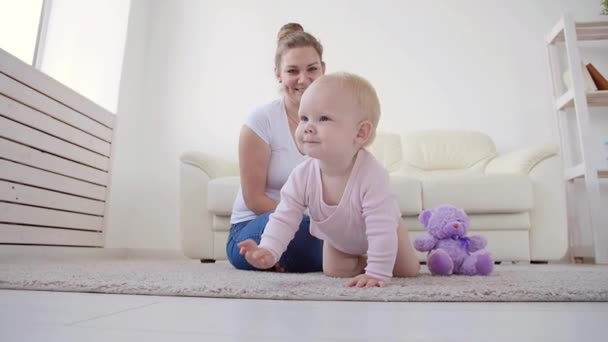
{"x": 363, "y": 223}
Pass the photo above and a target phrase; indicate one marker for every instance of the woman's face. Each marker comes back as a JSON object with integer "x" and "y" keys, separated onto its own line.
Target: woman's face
{"x": 299, "y": 68}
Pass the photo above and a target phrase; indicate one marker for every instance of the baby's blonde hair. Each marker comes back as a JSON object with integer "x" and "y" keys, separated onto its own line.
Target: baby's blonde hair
{"x": 363, "y": 92}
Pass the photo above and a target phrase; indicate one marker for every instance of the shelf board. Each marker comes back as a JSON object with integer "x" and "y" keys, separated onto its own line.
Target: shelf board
{"x": 578, "y": 171}
{"x": 594, "y": 99}
{"x": 592, "y": 30}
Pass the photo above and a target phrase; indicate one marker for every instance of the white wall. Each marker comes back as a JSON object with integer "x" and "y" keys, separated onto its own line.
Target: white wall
{"x": 193, "y": 70}
{"x": 127, "y": 188}
{"x": 84, "y": 47}
{"x": 19, "y": 27}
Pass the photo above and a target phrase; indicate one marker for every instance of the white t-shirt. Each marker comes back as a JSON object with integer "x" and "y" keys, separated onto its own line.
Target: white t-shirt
{"x": 270, "y": 123}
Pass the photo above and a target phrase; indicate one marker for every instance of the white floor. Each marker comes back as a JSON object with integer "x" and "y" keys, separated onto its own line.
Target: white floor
{"x": 58, "y": 316}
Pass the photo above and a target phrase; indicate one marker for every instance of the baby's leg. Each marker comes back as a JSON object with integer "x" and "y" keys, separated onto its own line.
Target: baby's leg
{"x": 341, "y": 265}
{"x": 406, "y": 264}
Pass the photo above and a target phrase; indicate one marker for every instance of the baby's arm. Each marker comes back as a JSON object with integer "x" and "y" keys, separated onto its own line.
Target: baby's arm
{"x": 381, "y": 215}
{"x": 425, "y": 243}
{"x": 284, "y": 222}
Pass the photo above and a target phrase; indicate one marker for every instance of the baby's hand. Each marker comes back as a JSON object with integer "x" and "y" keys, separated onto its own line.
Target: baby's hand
{"x": 363, "y": 280}
{"x": 258, "y": 257}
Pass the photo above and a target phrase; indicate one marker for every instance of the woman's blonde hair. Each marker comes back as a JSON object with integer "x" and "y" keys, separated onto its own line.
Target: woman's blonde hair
{"x": 292, "y": 35}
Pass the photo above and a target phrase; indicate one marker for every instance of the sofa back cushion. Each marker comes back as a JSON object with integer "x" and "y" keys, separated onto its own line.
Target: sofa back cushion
{"x": 430, "y": 150}
{"x": 386, "y": 148}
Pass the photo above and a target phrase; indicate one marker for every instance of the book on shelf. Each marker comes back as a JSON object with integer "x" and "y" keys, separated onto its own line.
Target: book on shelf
{"x": 600, "y": 81}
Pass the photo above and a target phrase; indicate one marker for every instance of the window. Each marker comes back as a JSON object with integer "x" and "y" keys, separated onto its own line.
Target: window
{"x": 20, "y": 27}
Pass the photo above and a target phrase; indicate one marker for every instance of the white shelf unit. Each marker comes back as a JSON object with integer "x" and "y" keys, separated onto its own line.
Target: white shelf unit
{"x": 591, "y": 168}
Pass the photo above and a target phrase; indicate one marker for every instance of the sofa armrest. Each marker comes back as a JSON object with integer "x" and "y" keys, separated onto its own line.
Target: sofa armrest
{"x": 196, "y": 221}
{"x": 521, "y": 161}
{"x": 214, "y": 167}
{"x": 548, "y": 221}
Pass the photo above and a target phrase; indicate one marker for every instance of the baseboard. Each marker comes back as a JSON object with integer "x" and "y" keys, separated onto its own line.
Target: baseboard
{"x": 20, "y": 252}
{"x": 143, "y": 253}
{"x": 13, "y": 252}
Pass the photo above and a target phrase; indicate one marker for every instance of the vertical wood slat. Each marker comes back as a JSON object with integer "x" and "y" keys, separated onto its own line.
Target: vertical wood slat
{"x": 108, "y": 191}
{"x": 31, "y": 157}
{"x": 43, "y": 83}
{"x": 20, "y": 113}
{"x": 23, "y": 194}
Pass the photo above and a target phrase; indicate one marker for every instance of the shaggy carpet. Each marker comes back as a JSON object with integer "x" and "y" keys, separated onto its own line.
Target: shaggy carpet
{"x": 508, "y": 283}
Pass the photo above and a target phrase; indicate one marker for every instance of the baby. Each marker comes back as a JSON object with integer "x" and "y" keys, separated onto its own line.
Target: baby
{"x": 345, "y": 189}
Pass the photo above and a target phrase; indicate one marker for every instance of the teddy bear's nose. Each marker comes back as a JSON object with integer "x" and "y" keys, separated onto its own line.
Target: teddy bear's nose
{"x": 455, "y": 225}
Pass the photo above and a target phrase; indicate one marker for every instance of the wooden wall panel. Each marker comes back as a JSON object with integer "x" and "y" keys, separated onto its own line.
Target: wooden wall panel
{"x": 55, "y": 160}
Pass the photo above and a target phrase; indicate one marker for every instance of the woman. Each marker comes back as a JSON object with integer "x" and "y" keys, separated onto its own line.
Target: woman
{"x": 268, "y": 154}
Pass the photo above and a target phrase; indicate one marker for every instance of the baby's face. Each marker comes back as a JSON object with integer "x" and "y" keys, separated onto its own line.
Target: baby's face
{"x": 329, "y": 120}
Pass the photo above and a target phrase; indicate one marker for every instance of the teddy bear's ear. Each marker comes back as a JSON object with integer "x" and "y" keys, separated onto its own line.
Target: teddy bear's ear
{"x": 463, "y": 214}
{"x": 425, "y": 216}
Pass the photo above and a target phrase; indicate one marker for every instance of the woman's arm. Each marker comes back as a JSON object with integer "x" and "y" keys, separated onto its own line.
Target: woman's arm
{"x": 254, "y": 157}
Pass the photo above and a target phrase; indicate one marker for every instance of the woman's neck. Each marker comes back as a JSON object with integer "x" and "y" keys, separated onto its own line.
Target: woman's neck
{"x": 291, "y": 108}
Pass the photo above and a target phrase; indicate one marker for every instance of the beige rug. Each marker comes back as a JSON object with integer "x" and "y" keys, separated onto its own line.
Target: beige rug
{"x": 521, "y": 282}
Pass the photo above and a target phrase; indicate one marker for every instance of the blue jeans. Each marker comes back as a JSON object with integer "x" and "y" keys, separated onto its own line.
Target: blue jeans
{"x": 304, "y": 253}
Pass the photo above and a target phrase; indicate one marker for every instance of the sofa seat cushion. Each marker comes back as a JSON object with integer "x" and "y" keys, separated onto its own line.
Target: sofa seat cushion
{"x": 223, "y": 190}
{"x": 483, "y": 222}
{"x": 480, "y": 193}
{"x": 221, "y": 193}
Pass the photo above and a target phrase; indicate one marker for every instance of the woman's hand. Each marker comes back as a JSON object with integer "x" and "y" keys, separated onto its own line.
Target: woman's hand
{"x": 258, "y": 257}
{"x": 363, "y": 280}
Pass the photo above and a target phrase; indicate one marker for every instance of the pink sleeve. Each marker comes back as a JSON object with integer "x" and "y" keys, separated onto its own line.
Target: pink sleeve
{"x": 381, "y": 214}
{"x": 284, "y": 222}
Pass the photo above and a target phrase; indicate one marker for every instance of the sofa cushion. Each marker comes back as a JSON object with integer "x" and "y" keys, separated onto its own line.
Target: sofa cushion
{"x": 386, "y": 148}
{"x": 480, "y": 193}
{"x": 221, "y": 193}
{"x": 408, "y": 192}
{"x": 476, "y": 193}
{"x": 446, "y": 150}
{"x": 483, "y": 222}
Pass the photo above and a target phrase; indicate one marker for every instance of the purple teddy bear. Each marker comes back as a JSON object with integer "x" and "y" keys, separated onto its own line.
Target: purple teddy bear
{"x": 450, "y": 250}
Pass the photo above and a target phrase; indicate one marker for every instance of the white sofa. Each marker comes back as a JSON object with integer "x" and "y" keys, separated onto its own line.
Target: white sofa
{"x": 516, "y": 200}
